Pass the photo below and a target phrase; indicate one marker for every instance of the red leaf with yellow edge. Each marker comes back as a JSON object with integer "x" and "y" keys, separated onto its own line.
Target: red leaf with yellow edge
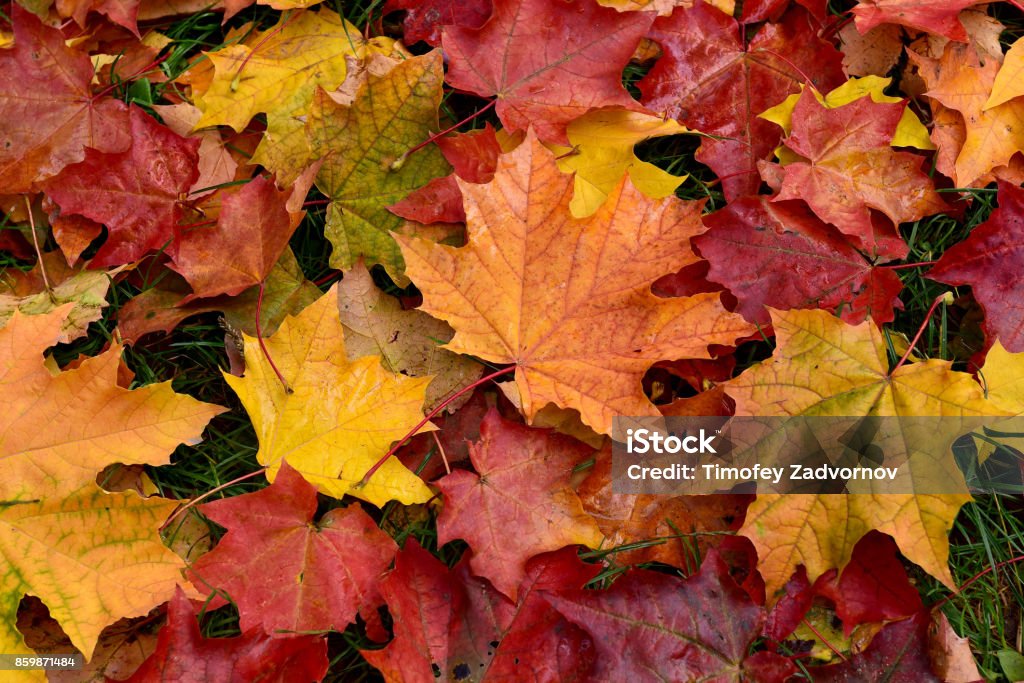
{"x": 285, "y": 571}
{"x": 536, "y": 287}
{"x": 991, "y": 261}
{"x": 713, "y": 81}
{"x": 134, "y": 193}
{"x": 699, "y": 628}
{"x": 852, "y": 169}
{"x": 184, "y": 656}
{"x": 48, "y": 107}
{"x": 519, "y": 503}
{"x": 547, "y": 63}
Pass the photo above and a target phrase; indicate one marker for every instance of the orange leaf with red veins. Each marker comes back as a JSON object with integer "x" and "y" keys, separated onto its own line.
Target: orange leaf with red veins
{"x": 541, "y": 289}
{"x": 46, "y": 103}
{"x": 252, "y": 231}
{"x": 779, "y": 254}
{"x": 184, "y": 656}
{"x": 963, "y": 82}
{"x": 547, "y": 62}
{"x": 713, "y": 81}
{"x": 518, "y": 504}
{"x": 448, "y": 621}
{"x": 991, "y": 261}
{"x": 134, "y": 193}
{"x": 926, "y": 15}
{"x": 699, "y": 628}
{"x": 285, "y": 571}
{"x": 851, "y": 167}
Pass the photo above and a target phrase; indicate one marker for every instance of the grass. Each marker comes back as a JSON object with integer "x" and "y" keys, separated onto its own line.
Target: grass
{"x": 988, "y": 535}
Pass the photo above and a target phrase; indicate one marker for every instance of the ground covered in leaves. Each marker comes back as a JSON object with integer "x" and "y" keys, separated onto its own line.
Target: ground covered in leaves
{"x": 315, "y": 317}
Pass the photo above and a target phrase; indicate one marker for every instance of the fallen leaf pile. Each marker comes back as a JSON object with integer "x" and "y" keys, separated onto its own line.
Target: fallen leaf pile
{"x": 440, "y": 246}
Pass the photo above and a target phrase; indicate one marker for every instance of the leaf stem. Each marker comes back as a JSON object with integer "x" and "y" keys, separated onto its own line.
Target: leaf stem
{"x": 968, "y": 582}
{"x": 920, "y": 264}
{"x": 263, "y": 346}
{"x": 255, "y": 48}
{"x": 927, "y": 316}
{"x": 195, "y": 501}
{"x": 822, "y": 639}
{"x": 437, "y": 409}
{"x": 39, "y": 252}
{"x": 397, "y": 163}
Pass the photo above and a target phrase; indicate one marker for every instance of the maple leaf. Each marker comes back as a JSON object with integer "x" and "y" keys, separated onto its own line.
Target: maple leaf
{"x": 539, "y": 288}
{"x": 57, "y": 527}
{"x": 697, "y": 628}
{"x": 1007, "y": 83}
{"x": 781, "y": 255}
{"x": 55, "y": 440}
{"x": 851, "y": 167}
{"x": 625, "y": 518}
{"x": 734, "y": 82}
{"x": 160, "y": 308}
{"x": 121, "y": 12}
{"x": 28, "y": 293}
{"x": 408, "y": 341}
{"x": 424, "y": 19}
{"x": 448, "y": 621}
{"x": 255, "y": 222}
{"x": 473, "y": 156}
{"x": 518, "y": 504}
{"x": 962, "y": 82}
{"x": 285, "y": 571}
{"x": 910, "y": 132}
{"x": 46, "y": 101}
{"x": 104, "y": 545}
{"x": 134, "y": 193}
{"x": 217, "y": 166}
{"x": 276, "y": 72}
{"x": 602, "y": 151}
{"x": 183, "y": 655}
{"x": 990, "y": 260}
{"x": 361, "y": 146}
{"x": 340, "y": 416}
{"x": 932, "y": 17}
{"x": 547, "y": 63}
{"x": 899, "y": 649}
{"x": 820, "y": 531}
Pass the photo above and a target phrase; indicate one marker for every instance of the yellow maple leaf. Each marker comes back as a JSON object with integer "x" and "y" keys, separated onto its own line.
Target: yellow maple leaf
{"x": 341, "y": 416}
{"x": 568, "y": 300}
{"x": 825, "y": 367}
{"x": 602, "y": 151}
{"x": 910, "y": 132}
{"x": 91, "y": 556}
{"x": 363, "y": 147}
{"x": 1009, "y": 81}
{"x": 276, "y": 73}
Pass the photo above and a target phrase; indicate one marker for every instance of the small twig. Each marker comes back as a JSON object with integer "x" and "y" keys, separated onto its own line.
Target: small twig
{"x": 822, "y": 639}
{"x": 807, "y": 79}
{"x": 397, "y": 163}
{"x": 263, "y": 346}
{"x": 437, "y": 409}
{"x": 195, "y": 501}
{"x": 910, "y": 347}
{"x": 39, "y": 252}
